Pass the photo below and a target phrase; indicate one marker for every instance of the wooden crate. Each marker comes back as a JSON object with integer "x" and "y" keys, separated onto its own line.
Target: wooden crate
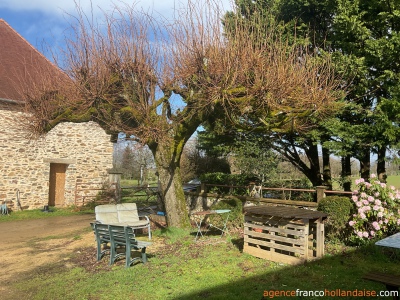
{"x": 274, "y": 235}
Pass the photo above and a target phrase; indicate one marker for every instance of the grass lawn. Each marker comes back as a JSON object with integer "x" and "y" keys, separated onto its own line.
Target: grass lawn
{"x": 394, "y": 180}
{"x": 39, "y": 214}
{"x": 180, "y": 268}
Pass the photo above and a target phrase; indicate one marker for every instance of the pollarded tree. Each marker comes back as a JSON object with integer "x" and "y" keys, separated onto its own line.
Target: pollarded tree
{"x": 159, "y": 80}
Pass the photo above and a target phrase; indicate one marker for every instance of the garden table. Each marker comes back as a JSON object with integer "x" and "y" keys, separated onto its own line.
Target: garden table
{"x": 392, "y": 241}
{"x": 200, "y": 216}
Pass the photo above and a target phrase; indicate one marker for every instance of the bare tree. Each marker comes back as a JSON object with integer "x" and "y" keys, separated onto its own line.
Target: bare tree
{"x": 159, "y": 80}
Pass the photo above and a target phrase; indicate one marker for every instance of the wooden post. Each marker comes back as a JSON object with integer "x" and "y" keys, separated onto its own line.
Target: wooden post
{"x": 203, "y": 188}
{"x": 320, "y": 237}
{"x": 306, "y": 238}
{"x": 320, "y": 192}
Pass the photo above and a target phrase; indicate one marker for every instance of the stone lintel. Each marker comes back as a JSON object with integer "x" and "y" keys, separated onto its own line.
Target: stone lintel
{"x": 67, "y": 161}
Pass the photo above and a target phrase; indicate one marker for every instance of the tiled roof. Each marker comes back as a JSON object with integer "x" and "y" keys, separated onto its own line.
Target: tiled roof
{"x": 21, "y": 66}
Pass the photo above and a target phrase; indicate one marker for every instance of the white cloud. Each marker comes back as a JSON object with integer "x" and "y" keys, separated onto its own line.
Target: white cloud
{"x": 55, "y": 7}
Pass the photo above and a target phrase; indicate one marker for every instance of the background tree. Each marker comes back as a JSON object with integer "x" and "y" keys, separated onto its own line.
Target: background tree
{"x": 159, "y": 80}
{"x": 363, "y": 38}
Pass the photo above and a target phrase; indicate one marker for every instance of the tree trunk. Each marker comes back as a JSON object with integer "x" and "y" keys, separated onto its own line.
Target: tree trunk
{"x": 381, "y": 166}
{"x": 326, "y": 166}
{"x": 365, "y": 164}
{"x": 167, "y": 156}
{"x": 346, "y": 173}
{"x": 312, "y": 155}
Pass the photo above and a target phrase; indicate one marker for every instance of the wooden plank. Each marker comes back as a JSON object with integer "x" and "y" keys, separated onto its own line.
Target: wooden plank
{"x": 300, "y": 249}
{"x": 273, "y": 256}
{"x": 296, "y": 241}
{"x": 294, "y": 234}
{"x": 285, "y": 231}
{"x": 273, "y": 221}
{"x": 320, "y": 238}
{"x": 266, "y": 224}
{"x": 285, "y": 212}
{"x": 306, "y": 240}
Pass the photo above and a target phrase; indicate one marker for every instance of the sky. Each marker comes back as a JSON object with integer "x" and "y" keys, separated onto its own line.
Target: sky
{"x": 43, "y": 22}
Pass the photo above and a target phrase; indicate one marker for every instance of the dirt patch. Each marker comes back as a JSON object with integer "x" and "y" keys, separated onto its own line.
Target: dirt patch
{"x": 33, "y": 244}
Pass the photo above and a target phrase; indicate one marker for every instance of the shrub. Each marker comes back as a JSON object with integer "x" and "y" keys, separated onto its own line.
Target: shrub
{"x": 376, "y": 210}
{"x": 235, "y": 216}
{"x": 220, "y": 178}
{"x": 339, "y": 212}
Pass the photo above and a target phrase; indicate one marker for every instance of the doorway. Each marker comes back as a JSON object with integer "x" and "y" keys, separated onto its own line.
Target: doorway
{"x": 57, "y": 184}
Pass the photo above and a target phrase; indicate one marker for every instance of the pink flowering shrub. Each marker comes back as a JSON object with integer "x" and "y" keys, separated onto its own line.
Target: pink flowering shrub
{"x": 376, "y": 210}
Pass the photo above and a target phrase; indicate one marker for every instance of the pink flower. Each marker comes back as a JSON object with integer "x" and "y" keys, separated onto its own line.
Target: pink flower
{"x": 370, "y": 199}
{"x": 365, "y": 234}
{"x": 376, "y": 207}
{"x": 376, "y": 225}
{"x": 380, "y": 215}
{"x": 383, "y": 184}
{"x": 378, "y": 202}
{"x": 372, "y": 233}
{"x": 358, "y": 181}
{"x": 354, "y": 198}
{"x": 351, "y": 223}
{"x": 376, "y": 194}
{"x": 398, "y": 221}
{"x": 359, "y": 203}
{"x": 359, "y": 233}
{"x": 363, "y": 216}
{"x": 366, "y": 208}
{"x": 365, "y": 202}
{"x": 373, "y": 175}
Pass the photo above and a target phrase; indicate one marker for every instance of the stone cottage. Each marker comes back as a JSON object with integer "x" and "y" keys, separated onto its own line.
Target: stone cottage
{"x": 66, "y": 166}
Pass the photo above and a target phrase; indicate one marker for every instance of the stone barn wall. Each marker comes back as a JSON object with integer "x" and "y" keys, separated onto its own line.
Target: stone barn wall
{"x": 84, "y": 150}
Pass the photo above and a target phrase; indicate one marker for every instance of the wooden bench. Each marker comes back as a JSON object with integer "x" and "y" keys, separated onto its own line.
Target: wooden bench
{"x": 392, "y": 282}
{"x": 117, "y": 236}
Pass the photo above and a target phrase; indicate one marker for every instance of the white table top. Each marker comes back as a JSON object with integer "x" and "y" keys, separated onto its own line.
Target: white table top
{"x": 392, "y": 241}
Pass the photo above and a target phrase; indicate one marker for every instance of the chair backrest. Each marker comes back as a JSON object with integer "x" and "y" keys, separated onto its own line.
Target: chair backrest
{"x": 127, "y": 212}
{"x": 117, "y": 234}
{"x": 106, "y": 214}
{"x": 101, "y": 232}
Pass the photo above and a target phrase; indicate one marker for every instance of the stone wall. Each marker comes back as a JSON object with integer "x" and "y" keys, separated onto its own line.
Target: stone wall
{"x": 84, "y": 148}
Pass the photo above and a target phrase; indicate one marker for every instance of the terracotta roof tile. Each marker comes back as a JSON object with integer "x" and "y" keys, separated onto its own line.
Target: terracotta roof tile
{"x": 21, "y": 65}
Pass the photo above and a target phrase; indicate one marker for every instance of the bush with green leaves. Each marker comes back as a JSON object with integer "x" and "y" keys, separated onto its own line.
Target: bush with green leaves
{"x": 235, "y": 205}
{"x": 239, "y": 183}
{"x": 339, "y": 212}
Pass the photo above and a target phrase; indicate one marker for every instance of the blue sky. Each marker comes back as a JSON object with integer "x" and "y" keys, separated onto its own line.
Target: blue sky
{"x": 43, "y": 22}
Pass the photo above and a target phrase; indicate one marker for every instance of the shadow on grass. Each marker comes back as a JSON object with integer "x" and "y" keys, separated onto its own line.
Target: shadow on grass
{"x": 333, "y": 274}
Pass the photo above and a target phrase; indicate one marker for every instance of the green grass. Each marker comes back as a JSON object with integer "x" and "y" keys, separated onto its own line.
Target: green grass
{"x": 394, "y": 180}
{"x": 391, "y": 180}
{"x": 184, "y": 269}
{"x": 39, "y": 214}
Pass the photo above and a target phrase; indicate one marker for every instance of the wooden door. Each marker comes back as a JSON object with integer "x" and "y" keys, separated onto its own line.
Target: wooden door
{"x": 57, "y": 184}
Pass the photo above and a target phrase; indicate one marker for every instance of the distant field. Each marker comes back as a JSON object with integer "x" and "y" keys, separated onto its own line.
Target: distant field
{"x": 394, "y": 180}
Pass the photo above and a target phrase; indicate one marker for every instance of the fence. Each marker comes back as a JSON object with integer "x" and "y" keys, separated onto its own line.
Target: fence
{"x": 85, "y": 194}
{"x": 266, "y": 195}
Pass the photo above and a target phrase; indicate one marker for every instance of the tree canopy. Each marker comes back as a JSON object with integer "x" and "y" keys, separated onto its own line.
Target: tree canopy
{"x": 362, "y": 37}
{"x": 158, "y": 80}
